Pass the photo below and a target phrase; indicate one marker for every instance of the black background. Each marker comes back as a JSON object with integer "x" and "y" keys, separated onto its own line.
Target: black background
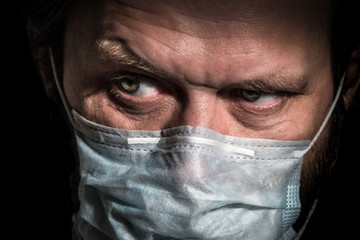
{"x": 36, "y": 159}
{"x": 35, "y": 148}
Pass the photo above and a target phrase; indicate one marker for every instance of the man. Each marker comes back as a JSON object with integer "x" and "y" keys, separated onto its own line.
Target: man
{"x": 251, "y": 70}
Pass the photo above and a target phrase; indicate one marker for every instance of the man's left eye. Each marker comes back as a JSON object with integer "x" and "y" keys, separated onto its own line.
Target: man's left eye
{"x": 137, "y": 86}
{"x": 256, "y": 97}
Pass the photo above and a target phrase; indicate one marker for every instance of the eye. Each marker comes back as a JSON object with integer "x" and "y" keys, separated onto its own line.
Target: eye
{"x": 129, "y": 85}
{"x": 137, "y": 85}
{"x": 258, "y": 98}
{"x": 250, "y": 95}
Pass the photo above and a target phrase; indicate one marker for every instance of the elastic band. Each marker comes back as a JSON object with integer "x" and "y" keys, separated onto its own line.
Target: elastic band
{"x": 323, "y": 125}
{"x": 311, "y": 212}
{"x": 60, "y": 89}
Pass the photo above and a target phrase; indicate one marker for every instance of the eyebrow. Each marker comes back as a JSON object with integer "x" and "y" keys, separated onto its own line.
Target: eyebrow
{"x": 118, "y": 52}
{"x": 279, "y": 82}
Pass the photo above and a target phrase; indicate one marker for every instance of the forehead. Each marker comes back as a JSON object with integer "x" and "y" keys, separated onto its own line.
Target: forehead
{"x": 208, "y": 19}
{"x": 198, "y": 37}
{"x": 192, "y": 15}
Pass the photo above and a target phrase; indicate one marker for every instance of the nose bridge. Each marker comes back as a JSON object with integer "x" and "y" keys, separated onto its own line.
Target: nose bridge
{"x": 203, "y": 109}
{"x": 198, "y": 111}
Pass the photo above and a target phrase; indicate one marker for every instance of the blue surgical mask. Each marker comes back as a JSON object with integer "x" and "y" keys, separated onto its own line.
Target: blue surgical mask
{"x": 186, "y": 183}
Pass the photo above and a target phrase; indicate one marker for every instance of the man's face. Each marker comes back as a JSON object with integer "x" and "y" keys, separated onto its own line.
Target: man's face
{"x": 255, "y": 69}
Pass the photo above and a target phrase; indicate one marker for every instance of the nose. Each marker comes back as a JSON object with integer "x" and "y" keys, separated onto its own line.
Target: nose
{"x": 206, "y": 110}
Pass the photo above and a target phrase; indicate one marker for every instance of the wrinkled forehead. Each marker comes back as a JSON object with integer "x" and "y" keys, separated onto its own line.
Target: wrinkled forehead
{"x": 245, "y": 11}
{"x": 194, "y": 15}
{"x": 206, "y": 30}
{"x": 211, "y": 18}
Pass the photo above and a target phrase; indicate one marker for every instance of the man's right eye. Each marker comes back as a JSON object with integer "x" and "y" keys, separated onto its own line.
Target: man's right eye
{"x": 140, "y": 94}
{"x": 129, "y": 85}
{"x": 137, "y": 85}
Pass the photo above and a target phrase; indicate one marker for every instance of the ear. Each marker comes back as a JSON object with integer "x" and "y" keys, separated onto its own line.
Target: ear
{"x": 352, "y": 81}
{"x": 40, "y": 52}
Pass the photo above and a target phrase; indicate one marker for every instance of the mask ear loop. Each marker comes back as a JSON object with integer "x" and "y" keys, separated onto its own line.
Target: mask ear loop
{"x": 59, "y": 88}
{"x": 298, "y": 154}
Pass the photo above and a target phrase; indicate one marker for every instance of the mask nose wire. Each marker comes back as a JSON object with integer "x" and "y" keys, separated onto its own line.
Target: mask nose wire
{"x": 60, "y": 88}
{"x": 323, "y": 125}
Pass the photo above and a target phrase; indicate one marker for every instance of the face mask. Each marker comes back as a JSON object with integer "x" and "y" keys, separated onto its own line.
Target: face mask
{"x": 186, "y": 183}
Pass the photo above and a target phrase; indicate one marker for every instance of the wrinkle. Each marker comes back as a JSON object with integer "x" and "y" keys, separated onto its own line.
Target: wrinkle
{"x": 192, "y": 25}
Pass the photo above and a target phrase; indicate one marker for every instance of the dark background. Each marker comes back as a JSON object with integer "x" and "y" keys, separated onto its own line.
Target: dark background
{"x": 36, "y": 160}
{"x": 35, "y": 144}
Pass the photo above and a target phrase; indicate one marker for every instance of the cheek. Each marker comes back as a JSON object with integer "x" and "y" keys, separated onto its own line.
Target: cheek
{"x": 294, "y": 122}
{"x": 100, "y": 108}
{"x": 306, "y": 116}
{"x": 77, "y": 89}
{"x": 300, "y": 124}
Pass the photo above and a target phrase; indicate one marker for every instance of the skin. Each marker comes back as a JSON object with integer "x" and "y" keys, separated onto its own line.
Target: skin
{"x": 196, "y": 61}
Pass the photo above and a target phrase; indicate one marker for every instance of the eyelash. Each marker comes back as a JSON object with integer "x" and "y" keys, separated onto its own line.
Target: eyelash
{"x": 126, "y": 79}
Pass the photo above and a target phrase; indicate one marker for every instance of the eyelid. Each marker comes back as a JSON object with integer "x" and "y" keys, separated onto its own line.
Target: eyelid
{"x": 156, "y": 80}
{"x": 150, "y": 106}
{"x": 274, "y": 87}
{"x": 267, "y": 99}
{"x": 237, "y": 92}
{"x": 242, "y": 108}
{"x": 121, "y": 75}
{"x": 161, "y": 88}
{"x": 269, "y": 91}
